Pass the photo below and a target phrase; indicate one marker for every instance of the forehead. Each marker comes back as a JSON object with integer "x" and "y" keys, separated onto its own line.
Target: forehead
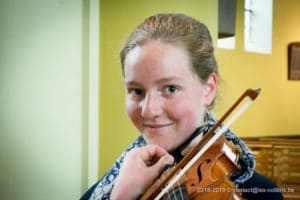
{"x": 157, "y": 56}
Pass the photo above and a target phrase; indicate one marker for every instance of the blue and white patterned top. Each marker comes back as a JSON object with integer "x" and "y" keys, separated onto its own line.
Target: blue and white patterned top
{"x": 246, "y": 162}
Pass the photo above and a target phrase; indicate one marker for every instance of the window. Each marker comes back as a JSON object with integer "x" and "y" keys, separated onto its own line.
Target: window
{"x": 258, "y": 26}
{"x": 258, "y": 16}
{"x": 226, "y": 24}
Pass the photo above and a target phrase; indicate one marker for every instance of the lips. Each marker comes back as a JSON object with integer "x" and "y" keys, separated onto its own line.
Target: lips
{"x": 157, "y": 126}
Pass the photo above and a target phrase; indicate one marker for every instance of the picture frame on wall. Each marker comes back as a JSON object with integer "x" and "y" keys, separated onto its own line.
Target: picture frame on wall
{"x": 294, "y": 61}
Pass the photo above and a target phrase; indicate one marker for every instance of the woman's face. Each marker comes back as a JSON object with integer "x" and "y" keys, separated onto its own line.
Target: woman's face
{"x": 165, "y": 99}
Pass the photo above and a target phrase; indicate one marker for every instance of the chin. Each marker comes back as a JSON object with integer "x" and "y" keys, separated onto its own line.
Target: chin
{"x": 168, "y": 147}
{"x": 157, "y": 141}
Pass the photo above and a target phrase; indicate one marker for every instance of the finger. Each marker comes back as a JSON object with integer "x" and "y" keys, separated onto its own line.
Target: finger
{"x": 158, "y": 167}
{"x": 157, "y": 150}
{"x": 153, "y": 152}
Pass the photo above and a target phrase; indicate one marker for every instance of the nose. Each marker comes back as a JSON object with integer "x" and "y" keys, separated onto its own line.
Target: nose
{"x": 151, "y": 106}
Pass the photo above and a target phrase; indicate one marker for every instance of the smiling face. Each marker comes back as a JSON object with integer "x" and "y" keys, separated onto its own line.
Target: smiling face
{"x": 165, "y": 99}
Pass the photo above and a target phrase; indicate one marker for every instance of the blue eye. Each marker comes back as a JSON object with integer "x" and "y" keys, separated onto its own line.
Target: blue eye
{"x": 171, "y": 89}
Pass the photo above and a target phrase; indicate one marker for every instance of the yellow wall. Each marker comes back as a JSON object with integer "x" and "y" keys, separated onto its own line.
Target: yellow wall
{"x": 277, "y": 109}
{"x": 117, "y": 19}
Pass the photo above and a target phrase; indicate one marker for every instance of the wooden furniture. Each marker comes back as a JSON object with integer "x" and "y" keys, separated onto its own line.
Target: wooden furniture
{"x": 279, "y": 159}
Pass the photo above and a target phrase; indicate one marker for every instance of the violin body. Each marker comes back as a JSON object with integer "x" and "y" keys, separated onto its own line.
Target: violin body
{"x": 209, "y": 176}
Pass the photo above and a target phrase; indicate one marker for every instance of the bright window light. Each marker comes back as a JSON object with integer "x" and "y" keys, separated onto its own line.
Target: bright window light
{"x": 258, "y": 26}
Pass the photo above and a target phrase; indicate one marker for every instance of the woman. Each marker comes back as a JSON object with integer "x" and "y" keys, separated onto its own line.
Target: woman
{"x": 171, "y": 79}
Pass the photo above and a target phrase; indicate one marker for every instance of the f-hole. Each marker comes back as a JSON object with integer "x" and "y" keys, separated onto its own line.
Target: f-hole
{"x": 206, "y": 161}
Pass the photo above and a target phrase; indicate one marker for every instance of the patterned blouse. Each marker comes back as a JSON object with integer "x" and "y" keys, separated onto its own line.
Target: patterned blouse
{"x": 246, "y": 161}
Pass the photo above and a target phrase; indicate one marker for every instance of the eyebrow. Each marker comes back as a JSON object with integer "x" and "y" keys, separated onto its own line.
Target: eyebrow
{"x": 160, "y": 81}
{"x": 132, "y": 83}
{"x": 168, "y": 79}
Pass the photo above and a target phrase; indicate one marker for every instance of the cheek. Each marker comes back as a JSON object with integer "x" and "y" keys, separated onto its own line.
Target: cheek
{"x": 185, "y": 112}
{"x": 132, "y": 110}
{"x": 129, "y": 108}
{"x": 189, "y": 112}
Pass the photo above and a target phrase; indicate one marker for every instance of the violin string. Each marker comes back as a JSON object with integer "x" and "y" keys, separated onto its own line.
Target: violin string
{"x": 163, "y": 176}
{"x": 173, "y": 194}
{"x": 177, "y": 187}
{"x": 181, "y": 195}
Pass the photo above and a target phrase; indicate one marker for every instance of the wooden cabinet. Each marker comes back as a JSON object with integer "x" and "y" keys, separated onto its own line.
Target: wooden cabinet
{"x": 279, "y": 159}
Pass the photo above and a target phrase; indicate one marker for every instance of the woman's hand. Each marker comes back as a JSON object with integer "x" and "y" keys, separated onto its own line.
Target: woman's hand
{"x": 140, "y": 168}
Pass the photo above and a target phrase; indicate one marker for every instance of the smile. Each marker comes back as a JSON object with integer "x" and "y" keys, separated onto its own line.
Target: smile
{"x": 157, "y": 126}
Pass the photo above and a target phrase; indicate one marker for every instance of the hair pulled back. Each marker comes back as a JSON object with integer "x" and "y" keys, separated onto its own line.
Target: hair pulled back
{"x": 177, "y": 29}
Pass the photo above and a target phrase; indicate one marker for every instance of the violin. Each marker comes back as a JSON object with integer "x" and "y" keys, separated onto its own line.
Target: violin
{"x": 204, "y": 172}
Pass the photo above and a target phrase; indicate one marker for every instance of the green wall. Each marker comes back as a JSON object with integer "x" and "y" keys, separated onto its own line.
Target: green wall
{"x": 117, "y": 19}
{"x": 43, "y": 137}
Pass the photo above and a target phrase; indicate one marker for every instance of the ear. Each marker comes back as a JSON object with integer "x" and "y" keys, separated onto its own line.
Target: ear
{"x": 210, "y": 88}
